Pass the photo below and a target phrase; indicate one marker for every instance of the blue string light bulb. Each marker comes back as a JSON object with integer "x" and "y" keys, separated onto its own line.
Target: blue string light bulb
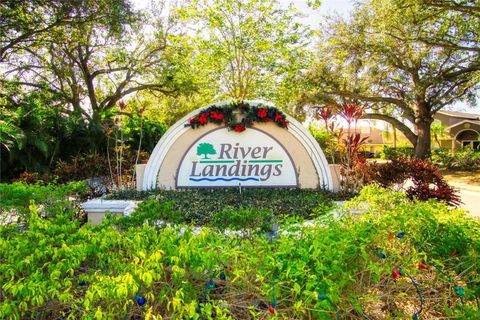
{"x": 460, "y": 291}
{"x": 400, "y": 235}
{"x": 222, "y": 276}
{"x": 382, "y": 255}
{"x": 140, "y": 300}
{"x": 322, "y": 295}
{"x": 211, "y": 285}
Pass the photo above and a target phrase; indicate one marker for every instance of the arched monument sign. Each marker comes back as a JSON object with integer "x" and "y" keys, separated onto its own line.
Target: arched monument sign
{"x": 249, "y": 144}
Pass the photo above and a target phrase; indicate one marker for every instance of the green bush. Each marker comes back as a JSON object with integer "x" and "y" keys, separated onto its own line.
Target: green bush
{"x": 241, "y": 218}
{"x": 331, "y": 268}
{"x": 462, "y": 159}
{"x": 391, "y": 153}
{"x": 327, "y": 142}
{"x": 199, "y": 205}
{"x": 16, "y": 197}
{"x": 149, "y": 212}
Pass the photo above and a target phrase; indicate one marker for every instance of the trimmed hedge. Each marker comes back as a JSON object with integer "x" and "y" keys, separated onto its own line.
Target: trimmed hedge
{"x": 199, "y": 205}
{"x": 391, "y": 153}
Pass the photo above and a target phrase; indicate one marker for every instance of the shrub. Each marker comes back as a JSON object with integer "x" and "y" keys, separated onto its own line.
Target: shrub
{"x": 426, "y": 181}
{"x": 391, "y": 153}
{"x": 33, "y": 178}
{"x": 15, "y": 198}
{"x": 327, "y": 142}
{"x": 241, "y": 218}
{"x": 200, "y": 205}
{"x": 96, "y": 165}
{"x": 462, "y": 159}
{"x": 149, "y": 212}
{"x": 330, "y": 268}
{"x": 149, "y": 131}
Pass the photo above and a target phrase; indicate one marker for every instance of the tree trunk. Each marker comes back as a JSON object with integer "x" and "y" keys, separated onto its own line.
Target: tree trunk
{"x": 423, "y": 145}
{"x": 394, "y": 136}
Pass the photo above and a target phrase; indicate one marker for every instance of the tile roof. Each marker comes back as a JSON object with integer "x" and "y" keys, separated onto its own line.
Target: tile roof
{"x": 464, "y": 115}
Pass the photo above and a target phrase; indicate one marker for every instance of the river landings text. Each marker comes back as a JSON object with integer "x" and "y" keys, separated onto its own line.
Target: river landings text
{"x": 237, "y": 161}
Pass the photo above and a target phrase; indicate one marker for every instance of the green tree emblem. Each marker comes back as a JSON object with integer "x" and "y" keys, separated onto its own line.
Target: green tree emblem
{"x": 205, "y": 149}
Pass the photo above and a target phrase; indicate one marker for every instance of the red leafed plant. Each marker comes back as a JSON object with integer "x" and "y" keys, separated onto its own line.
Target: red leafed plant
{"x": 326, "y": 114}
{"x": 354, "y": 169}
{"x": 418, "y": 178}
{"x": 351, "y": 112}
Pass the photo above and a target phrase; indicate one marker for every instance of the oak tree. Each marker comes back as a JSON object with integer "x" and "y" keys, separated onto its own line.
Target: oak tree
{"x": 392, "y": 53}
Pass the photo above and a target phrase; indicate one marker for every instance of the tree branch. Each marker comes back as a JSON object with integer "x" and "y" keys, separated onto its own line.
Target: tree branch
{"x": 400, "y": 103}
{"x": 412, "y": 137}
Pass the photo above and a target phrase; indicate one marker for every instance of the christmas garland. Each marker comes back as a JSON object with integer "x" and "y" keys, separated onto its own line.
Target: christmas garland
{"x": 225, "y": 114}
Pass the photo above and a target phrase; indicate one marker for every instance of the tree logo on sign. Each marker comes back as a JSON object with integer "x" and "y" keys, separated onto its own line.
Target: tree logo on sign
{"x": 205, "y": 149}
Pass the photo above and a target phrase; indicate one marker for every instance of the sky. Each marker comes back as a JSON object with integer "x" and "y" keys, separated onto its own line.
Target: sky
{"x": 328, "y": 7}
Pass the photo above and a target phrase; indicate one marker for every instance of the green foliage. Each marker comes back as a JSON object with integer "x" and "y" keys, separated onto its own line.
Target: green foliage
{"x": 200, "y": 205}
{"x": 391, "y": 153}
{"x": 15, "y": 198}
{"x": 462, "y": 159}
{"x": 20, "y": 195}
{"x": 404, "y": 59}
{"x": 28, "y": 23}
{"x": 241, "y": 218}
{"x": 41, "y": 139}
{"x": 147, "y": 130}
{"x": 249, "y": 49}
{"x": 149, "y": 212}
{"x": 41, "y": 135}
{"x": 330, "y": 268}
{"x": 327, "y": 142}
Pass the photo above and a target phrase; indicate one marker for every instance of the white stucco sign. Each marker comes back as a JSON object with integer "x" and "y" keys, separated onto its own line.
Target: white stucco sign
{"x": 221, "y": 158}
{"x": 250, "y": 144}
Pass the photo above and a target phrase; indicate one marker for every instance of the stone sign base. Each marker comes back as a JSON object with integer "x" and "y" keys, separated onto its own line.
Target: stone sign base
{"x": 98, "y": 208}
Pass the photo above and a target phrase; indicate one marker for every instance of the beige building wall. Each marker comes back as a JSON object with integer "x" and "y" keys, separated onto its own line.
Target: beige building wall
{"x": 466, "y": 126}
{"x": 307, "y": 175}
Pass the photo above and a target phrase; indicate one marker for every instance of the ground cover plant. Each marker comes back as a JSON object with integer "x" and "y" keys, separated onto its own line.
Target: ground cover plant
{"x": 398, "y": 259}
{"x": 200, "y": 205}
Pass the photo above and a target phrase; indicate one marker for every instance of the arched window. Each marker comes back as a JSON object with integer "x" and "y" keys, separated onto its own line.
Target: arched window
{"x": 469, "y": 138}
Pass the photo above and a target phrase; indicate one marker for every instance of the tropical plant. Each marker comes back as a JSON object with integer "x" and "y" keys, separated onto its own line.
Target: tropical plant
{"x": 418, "y": 178}
{"x": 354, "y": 169}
